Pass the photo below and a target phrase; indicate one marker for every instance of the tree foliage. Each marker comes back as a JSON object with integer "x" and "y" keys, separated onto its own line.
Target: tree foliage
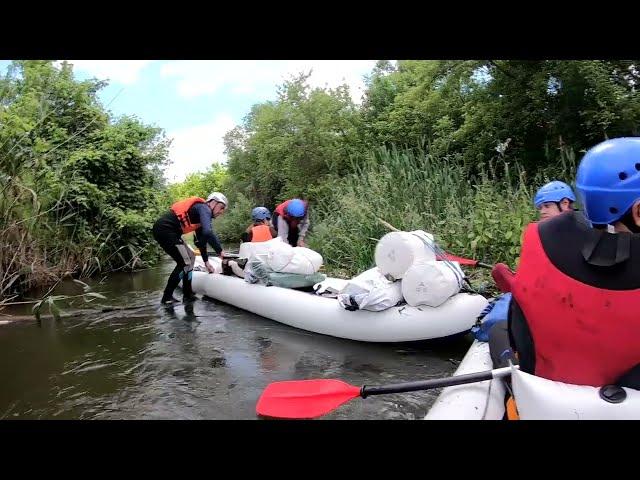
{"x": 80, "y": 189}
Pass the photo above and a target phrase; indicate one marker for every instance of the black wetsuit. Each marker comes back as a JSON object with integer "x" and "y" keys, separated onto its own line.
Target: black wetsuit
{"x": 168, "y": 233}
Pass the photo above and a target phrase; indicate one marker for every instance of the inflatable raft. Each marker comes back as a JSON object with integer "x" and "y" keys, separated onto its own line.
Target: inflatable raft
{"x": 319, "y": 314}
{"x": 536, "y": 398}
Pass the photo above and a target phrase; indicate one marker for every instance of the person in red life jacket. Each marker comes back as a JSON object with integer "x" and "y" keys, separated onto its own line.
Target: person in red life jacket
{"x": 261, "y": 229}
{"x": 576, "y": 294}
{"x": 192, "y": 214}
{"x": 291, "y": 221}
{"x": 553, "y": 198}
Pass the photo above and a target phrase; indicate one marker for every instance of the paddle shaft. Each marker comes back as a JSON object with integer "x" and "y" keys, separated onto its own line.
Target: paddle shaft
{"x": 435, "y": 383}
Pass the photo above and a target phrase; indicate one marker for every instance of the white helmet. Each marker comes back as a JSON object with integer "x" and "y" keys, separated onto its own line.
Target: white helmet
{"x": 218, "y": 197}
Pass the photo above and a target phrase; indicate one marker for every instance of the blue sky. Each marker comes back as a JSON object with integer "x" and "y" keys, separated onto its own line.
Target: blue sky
{"x": 197, "y": 101}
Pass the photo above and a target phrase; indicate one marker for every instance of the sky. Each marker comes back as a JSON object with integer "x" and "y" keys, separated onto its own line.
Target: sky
{"x": 197, "y": 101}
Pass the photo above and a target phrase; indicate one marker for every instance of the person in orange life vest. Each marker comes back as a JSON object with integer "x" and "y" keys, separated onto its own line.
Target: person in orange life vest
{"x": 291, "y": 221}
{"x": 576, "y": 294}
{"x": 192, "y": 214}
{"x": 261, "y": 229}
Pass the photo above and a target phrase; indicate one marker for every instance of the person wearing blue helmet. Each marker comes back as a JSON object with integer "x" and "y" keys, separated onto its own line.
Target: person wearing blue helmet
{"x": 553, "y": 199}
{"x": 550, "y": 200}
{"x": 291, "y": 221}
{"x": 608, "y": 184}
{"x": 261, "y": 229}
{"x": 576, "y": 294}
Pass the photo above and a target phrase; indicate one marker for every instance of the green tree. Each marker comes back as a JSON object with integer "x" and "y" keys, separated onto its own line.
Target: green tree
{"x": 199, "y": 184}
{"x": 80, "y": 189}
{"x": 287, "y": 146}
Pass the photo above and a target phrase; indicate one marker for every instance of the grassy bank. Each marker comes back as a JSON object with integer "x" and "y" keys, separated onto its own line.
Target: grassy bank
{"x": 479, "y": 216}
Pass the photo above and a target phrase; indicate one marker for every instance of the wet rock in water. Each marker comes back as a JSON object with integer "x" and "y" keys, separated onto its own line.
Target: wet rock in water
{"x": 263, "y": 343}
{"x": 217, "y": 362}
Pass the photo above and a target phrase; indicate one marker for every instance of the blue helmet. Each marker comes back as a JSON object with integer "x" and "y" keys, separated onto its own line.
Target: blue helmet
{"x": 260, "y": 213}
{"x": 553, "y": 192}
{"x": 608, "y": 179}
{"x": 296, "y": 208}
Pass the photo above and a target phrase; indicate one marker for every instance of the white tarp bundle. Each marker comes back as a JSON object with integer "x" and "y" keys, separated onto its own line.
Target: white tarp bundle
{"x": 431, "y": 283}
{"x": 281, "y": 257}
{"x": 397, "y": 251}
{"x": 284, "y": 258}
{"x": 249, "y": 249}
{"x": 370, "y": 290}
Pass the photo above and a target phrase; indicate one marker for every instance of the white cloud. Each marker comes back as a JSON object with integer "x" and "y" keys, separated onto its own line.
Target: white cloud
{"x": 199, "y": 77}
{"x": 121, "y": 71}
{"x": 332, "y": 73}
{"x": 197, "y": 148}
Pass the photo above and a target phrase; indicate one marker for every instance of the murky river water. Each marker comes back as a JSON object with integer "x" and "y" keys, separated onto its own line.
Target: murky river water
{"x": 207, "y": 360}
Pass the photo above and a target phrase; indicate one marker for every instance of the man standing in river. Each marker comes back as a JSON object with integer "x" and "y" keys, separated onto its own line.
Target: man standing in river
{"x": 192, "y": 214}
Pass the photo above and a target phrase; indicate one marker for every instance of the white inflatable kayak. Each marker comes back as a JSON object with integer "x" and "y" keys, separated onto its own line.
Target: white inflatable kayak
{"x": 318, "y": 314}
{"x": 536, "y": 398}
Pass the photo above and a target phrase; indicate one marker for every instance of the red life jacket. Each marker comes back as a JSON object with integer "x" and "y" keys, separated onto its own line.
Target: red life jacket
{"x": 582, "y": 334}
{"x": 282, "y": 211}
{"x": 260, "y": 233}
{"x": 181, "y": 209}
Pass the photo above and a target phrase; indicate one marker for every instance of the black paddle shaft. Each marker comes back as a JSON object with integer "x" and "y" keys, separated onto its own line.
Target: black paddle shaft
{"x": 426, "y": 384}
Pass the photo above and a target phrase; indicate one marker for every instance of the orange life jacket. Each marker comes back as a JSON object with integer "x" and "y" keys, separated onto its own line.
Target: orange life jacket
{"x": 181, "y": 209}
{"x": 260, "y": 233}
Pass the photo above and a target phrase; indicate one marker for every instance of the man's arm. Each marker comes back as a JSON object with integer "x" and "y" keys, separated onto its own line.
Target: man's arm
{"x": 283, "y": 229}
{"x": 303, "y": 227}
{"x": 205, "y": 233}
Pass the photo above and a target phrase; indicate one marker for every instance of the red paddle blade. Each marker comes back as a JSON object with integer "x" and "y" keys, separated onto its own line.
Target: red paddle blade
{"x": 304, "y": 398}
{"x": 460, "y": 260}
{"x": 503, "y": 277}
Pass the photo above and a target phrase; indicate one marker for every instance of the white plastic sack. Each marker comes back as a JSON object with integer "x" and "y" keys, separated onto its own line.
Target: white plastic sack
{"x": 397, "y": 251}
{"x": 278, "y": 255}
{"x": 431, "y": 283}
{"x": 281, "y": 257}
{"x": 253, "y": 250}
{"x": 304, "y": 261}
{"x": 370, "y": 291}
{"x": 249, "y": 249}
